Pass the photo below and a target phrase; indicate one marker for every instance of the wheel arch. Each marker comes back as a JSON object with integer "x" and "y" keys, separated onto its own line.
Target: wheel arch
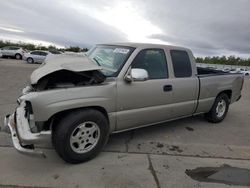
{"x": 228, "y": 92}
{"x": 19, "y": 54}
{"x": 55, "y": 118}
{"x": 30, "y": 58}
{"x": 211, "y": 116}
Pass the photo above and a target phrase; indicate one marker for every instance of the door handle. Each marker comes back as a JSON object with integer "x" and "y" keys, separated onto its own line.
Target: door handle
{"x": 167, "y": 88}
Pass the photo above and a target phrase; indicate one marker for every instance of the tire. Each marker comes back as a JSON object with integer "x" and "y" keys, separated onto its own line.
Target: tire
{"x": 81, "y": 135}
{"x": 30, "y": 60}
{"x": 18, "y": 56}
{"x": 219, "y": 109}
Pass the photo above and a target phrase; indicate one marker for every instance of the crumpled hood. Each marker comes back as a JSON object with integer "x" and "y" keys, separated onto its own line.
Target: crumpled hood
{"x": 69, "y": 62}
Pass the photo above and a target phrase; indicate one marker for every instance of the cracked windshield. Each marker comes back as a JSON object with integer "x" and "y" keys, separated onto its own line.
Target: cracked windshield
{"x": 111, "y": 58}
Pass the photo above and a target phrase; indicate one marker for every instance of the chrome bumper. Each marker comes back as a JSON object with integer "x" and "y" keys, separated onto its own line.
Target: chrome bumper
{"x": 23, "y": 139}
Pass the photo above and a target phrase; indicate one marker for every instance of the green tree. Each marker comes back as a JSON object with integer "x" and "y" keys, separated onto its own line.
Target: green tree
{"x": 230, "y": 60}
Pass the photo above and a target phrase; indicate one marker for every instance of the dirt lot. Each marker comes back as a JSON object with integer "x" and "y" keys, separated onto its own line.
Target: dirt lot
{"x": 156, "y": 156}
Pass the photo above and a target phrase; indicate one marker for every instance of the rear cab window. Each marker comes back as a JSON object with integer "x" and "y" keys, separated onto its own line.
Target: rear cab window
{"x": 181, "y": 63}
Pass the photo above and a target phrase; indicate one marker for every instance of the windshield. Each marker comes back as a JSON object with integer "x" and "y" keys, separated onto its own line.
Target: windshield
{"x": 110, "y": 58}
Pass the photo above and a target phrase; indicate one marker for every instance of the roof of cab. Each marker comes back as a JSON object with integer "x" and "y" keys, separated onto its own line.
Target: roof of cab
{"x": 147, "y": 45}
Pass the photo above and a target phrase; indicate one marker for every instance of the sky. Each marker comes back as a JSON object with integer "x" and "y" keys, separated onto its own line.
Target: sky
{"x": 207, "y": 27}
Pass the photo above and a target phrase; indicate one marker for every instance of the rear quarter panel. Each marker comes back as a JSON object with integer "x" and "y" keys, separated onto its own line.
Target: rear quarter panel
{"x": 211, "y": 86}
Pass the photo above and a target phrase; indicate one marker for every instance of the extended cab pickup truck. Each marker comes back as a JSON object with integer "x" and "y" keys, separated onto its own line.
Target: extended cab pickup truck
{"x": 78, "y": 101}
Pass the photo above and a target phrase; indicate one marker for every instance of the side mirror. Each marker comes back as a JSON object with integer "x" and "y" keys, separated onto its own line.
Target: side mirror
{"x": 137, "y": 75}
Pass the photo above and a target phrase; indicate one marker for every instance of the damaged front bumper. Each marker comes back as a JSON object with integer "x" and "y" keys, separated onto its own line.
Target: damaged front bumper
{"x": 23, "y": 139}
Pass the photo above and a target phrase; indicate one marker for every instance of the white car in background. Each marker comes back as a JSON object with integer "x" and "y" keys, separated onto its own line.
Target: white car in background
{"x": 246, "y": 72}
{"x": 241, "y": 70}
{"x": 226, "y": 69}
{"x": 55, "y": 52}
{"x": 234, "y": 70}
{"x": 37, "y": 56}
{"x": 12, "y": 51}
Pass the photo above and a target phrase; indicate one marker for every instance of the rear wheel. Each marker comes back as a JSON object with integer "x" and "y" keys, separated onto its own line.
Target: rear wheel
{"x": 219, "y": 109}
{"x": 30, "y": 60}
{"x": 81, "y": 135}
{"x": 18, "y": 56}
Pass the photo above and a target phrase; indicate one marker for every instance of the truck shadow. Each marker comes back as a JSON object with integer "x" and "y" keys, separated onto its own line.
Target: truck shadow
{"x": 163, "y": 132}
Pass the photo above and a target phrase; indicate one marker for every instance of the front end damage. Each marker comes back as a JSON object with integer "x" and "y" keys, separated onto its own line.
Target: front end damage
{"x": 18, "y": 125}
{"x": 65, "y": 71}
{"x": 68, "y": 79}
{"x": 62, "y": 72}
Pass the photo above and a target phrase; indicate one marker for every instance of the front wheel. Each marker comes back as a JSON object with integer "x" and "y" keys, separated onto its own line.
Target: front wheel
{"x": 219, "y": 109}
{"x": 81, "y": 135}
{"x": 30, "y": 60}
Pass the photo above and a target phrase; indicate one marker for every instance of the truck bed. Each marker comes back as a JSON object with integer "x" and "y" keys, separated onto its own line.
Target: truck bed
{"x": 211, "y": 82}
{"x": 206, "y": 71}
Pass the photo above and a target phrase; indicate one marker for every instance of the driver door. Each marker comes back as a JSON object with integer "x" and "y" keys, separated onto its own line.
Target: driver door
{"x": 141, "y": 103}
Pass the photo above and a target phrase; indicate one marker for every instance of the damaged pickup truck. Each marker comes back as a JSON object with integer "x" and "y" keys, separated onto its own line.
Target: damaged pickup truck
{"x": 78, "y": 101}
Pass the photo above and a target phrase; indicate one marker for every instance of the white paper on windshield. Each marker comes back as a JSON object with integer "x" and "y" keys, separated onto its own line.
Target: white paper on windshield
{"x": 121, "y": 50}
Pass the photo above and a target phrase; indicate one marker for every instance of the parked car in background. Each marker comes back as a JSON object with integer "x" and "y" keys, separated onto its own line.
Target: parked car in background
{"x": 246, "y": 72}
{"x": 237, "y": 70}
{"x": 234, "y": 70}
{"x": 36, "y": 56}
{"x": 210, "y": 67}
{"x": 56, "y": 52}
{"x": 12, "y": 51}
{"x": 226, "y": 69}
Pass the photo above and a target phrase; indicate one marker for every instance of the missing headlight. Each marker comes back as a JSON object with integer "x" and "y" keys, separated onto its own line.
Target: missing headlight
{"x": 28, "y": 109}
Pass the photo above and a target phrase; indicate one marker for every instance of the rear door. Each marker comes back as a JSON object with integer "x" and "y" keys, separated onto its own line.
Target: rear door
{"x": 12, "y": 51}
{"x": 6, "y": 51}
{"x": 42, "y": 56}
{"x": 141, "y": 103}
{"x": 185, "y": 83}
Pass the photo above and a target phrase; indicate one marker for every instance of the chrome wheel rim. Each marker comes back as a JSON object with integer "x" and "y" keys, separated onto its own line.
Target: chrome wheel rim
{"x": 84, "y": 137}
{"x": 221, "y": 108}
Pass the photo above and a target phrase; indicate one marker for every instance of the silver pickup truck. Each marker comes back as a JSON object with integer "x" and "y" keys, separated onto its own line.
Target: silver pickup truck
{"x": 78, "y": 101}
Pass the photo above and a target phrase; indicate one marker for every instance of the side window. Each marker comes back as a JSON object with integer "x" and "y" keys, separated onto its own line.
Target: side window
{"x": 14, "y": 48}
{"x": 153, "y": 61}
{"x": 181, "y": 63}
{"x": 35, "y": 53}
{"x": 43, "y": 54}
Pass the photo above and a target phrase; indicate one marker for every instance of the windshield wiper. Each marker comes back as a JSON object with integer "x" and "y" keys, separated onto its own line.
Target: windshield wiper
{"x": 104, "y": 68}
{"x": 96, "y": 61}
